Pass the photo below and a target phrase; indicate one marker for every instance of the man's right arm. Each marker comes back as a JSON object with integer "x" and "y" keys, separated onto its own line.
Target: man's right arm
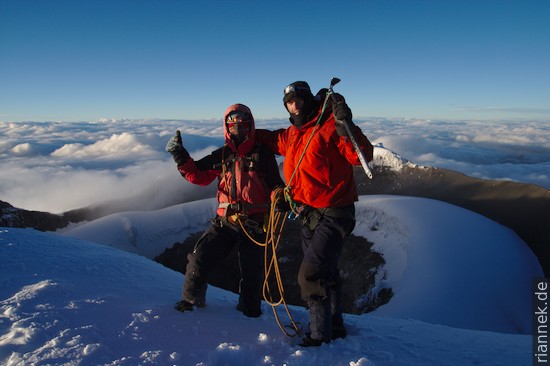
{"x": 201, "y": 172}
{"x": 275, "y": 140}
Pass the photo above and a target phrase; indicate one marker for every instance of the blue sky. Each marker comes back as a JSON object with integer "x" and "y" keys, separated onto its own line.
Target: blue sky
{"x": 86, "y": 60}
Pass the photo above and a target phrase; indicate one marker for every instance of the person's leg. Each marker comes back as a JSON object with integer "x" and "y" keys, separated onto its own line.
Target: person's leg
{"x": 336, "y": 307}
{"x": 252, "y": 276}
{"x": 320, "y": 250}
{"x": 213, "y": 246}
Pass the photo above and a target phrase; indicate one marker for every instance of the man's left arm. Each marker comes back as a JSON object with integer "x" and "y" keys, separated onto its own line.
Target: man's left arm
{"x": 342, "y": 116}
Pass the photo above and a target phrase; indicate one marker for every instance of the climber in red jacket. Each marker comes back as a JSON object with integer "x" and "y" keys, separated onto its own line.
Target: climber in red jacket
{"x": 318, "y": 169}
{"x": 247, "y": 174}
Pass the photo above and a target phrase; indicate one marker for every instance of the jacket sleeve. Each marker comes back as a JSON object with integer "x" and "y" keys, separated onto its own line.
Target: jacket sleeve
{"x": 344, "y": 143}
{"x": 201, "y": 172}
{"x": 271, "y": 169}
{"x": 346, "y": 147}
{"x": 275, "y": 140}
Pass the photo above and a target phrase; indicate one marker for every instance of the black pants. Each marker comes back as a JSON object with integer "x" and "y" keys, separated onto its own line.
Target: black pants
{"x": 215, "y": 245}
{"x": 323, "y": 236}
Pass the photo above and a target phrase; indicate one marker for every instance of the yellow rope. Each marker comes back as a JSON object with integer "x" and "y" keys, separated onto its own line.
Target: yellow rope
{"x": 274, "y": 228}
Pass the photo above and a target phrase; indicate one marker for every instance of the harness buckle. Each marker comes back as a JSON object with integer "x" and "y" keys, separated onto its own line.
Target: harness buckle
{"x": 236, "y": 206}
{"x": 253, "y": 225}
{"x": 292, "y": 216}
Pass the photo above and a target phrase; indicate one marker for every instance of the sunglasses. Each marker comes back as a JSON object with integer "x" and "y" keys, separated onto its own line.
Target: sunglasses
{"x": 237, "y": 118}
{"x": 238, "y": 124}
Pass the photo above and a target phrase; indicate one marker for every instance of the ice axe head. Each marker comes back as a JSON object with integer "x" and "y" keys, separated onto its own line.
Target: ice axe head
{"x": 333, "y": 82}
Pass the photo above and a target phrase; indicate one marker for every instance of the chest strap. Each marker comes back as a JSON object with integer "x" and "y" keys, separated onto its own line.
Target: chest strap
{"x": 242, "y": 207}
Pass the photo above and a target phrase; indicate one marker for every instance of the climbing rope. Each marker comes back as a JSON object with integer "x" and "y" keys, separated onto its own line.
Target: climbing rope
{"x": 274, "y": 298}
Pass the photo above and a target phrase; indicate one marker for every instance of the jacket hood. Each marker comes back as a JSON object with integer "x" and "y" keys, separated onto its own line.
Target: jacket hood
{"x": 246, "y": 146}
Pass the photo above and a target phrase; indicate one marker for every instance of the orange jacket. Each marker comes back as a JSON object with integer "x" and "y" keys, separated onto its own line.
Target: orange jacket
{"x": 324, "y": 178}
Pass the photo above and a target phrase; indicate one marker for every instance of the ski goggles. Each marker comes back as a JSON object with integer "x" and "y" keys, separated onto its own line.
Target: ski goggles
{"x": 237, "y": 118}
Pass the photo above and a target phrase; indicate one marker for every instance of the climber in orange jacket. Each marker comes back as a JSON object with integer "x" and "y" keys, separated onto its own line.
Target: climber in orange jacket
{"x": 318, "y": 169}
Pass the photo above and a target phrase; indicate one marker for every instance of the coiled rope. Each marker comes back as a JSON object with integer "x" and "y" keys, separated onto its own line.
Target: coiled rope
{"x": 274, "y": 228}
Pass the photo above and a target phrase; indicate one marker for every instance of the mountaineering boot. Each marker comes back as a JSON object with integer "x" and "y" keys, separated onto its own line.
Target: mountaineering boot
{"x": 184, "y": 306}
{"x": 320, "y": 320}
{"x": 338, "y": 327}
{"x": 307, "y": 341}
{"x": 249, "y": 313}
{"x": 188, "y": 306}
{"x": 339, "y": 331}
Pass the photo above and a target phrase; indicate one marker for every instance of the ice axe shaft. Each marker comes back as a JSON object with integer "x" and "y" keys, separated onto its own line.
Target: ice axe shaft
{"x": 358, "y": 150}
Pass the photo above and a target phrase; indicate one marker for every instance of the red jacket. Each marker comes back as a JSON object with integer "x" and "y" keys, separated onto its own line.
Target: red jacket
{"x": 324, "y": 178}
{"x": 246, "y": 174}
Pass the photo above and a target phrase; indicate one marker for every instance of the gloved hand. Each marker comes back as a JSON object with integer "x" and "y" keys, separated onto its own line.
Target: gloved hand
{"x": 175, "y": 147}
{"x": 321, "y": 94}
{"x": 342, "y": 114}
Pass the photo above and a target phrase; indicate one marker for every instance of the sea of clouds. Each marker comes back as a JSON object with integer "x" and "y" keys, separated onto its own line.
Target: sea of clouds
{"x": 59, "y": 166}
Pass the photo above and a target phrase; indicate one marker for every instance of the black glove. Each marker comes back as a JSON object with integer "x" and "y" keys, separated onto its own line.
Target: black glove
{"x": 342, "y": 115}
{"x": 175, "y": 147}
{"x": 321, "y": 94}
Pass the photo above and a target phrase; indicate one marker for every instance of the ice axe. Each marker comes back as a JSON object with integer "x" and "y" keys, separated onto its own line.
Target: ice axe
{"x": 358, "y": 150}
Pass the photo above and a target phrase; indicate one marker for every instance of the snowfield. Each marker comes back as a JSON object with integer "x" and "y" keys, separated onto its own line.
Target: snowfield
{"x": 461, "y": 283}
{"x": 91, "y": 294}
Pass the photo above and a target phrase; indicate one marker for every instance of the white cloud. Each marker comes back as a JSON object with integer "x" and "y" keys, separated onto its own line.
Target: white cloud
{"x": 118, "y": 145}
{"x": 68, "y": 150}
{"x": 82, "y": 163}
{"x": 62, "y": 188}
{"x": 508, "y": 110}
{"x": 22, "y": 149}
{"x": 518, "y": 138}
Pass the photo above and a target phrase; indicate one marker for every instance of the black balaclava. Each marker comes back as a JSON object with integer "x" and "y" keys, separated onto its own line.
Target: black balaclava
{"x": 300, "y": 89}
{"x": 242, "y": 121}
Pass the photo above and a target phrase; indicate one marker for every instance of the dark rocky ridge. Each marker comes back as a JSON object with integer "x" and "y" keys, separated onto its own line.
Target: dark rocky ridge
{"x": 358, "y": 262}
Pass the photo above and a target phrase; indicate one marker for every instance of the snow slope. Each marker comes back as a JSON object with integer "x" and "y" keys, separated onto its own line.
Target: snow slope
{"x": 148, "y": 232}
{"x": 436, "y": 254}
{"x": 451, "y": 266}
{"x": 68, "y": 301}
